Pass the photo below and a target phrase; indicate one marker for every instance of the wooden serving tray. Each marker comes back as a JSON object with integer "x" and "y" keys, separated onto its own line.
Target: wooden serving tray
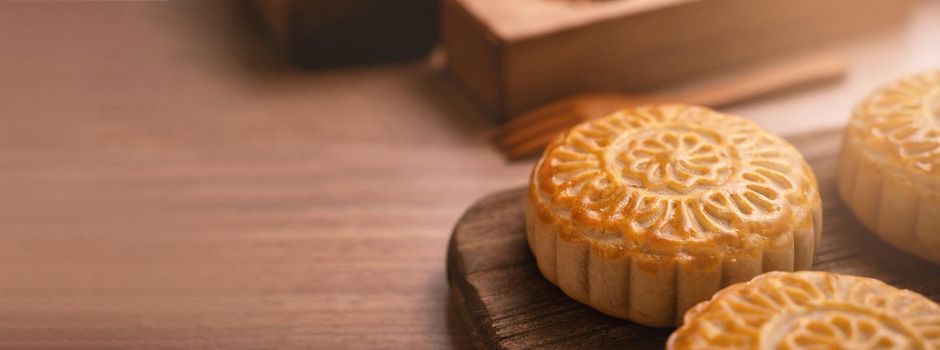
{"x": 509, "y": 305}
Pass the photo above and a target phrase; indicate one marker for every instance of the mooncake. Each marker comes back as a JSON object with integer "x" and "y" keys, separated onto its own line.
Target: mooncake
{"x": 650, "y": 210}
{"x": 811, "y": 310}
{"x": 889, "y": 169}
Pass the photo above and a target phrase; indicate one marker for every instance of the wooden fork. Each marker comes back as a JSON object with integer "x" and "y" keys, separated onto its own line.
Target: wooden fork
{"x": 531, "y": 131}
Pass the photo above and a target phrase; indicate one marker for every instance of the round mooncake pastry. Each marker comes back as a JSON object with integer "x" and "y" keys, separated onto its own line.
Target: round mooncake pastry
{"x": 648, "y": 211}
{"x": 889, "y": 170}
{"x": 811, "y": 310}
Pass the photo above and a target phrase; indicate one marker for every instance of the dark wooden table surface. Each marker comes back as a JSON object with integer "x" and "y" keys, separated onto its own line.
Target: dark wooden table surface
{"x": 167, "y": 182}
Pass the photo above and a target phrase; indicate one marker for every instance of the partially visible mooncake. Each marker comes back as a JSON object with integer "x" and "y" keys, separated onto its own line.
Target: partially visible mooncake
{"x": 648, "y": 211}
{"x": 889, "y": 172}
{"x": 811, "y": 310}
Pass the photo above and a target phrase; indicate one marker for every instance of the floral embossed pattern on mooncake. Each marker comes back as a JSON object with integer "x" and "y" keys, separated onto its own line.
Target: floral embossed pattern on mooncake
{"x": 648, "y": 211}
{"x": 811, "y": 310}
{"x": 889, "y": 172}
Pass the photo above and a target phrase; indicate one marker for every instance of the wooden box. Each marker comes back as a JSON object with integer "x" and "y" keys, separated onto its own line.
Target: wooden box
{"x": 513, "y": 55}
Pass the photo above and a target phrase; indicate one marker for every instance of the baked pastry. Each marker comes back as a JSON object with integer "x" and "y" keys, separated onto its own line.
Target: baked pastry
{"x": 810, "y": 310}
{"x": 648, "y": 211}
{"x": 889, "y": 172}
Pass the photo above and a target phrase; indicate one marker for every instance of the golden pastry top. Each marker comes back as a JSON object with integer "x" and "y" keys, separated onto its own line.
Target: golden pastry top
{"x": 673, "y": 179}
{"x": 811, "y": 310}
{"x": 900, "y": 123}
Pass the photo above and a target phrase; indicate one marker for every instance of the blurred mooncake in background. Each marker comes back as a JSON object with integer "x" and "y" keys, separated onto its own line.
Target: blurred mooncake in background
{"x": 889, "y": 172}
{"x": 650, "y": 210}
{"x": 811, "y": 310}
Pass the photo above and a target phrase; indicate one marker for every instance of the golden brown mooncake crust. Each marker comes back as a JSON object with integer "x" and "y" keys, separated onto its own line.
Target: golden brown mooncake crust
{"x": 810, "y": 310}
{"x": 889, "y": 171}
{"x": 651, "y": 210}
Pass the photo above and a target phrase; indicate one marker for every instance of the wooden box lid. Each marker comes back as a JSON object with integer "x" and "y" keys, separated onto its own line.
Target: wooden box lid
{"x": 521, "y": 19}
{"x": 520, "y": 54}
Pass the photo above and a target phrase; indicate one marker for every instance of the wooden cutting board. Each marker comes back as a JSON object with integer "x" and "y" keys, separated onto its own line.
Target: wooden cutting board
{"x": 509, "y": 305}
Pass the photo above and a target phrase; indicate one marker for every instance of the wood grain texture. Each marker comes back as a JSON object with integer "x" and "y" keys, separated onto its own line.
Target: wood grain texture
{"x": 168, "y": 182}
{"x": 509, "y": 305}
